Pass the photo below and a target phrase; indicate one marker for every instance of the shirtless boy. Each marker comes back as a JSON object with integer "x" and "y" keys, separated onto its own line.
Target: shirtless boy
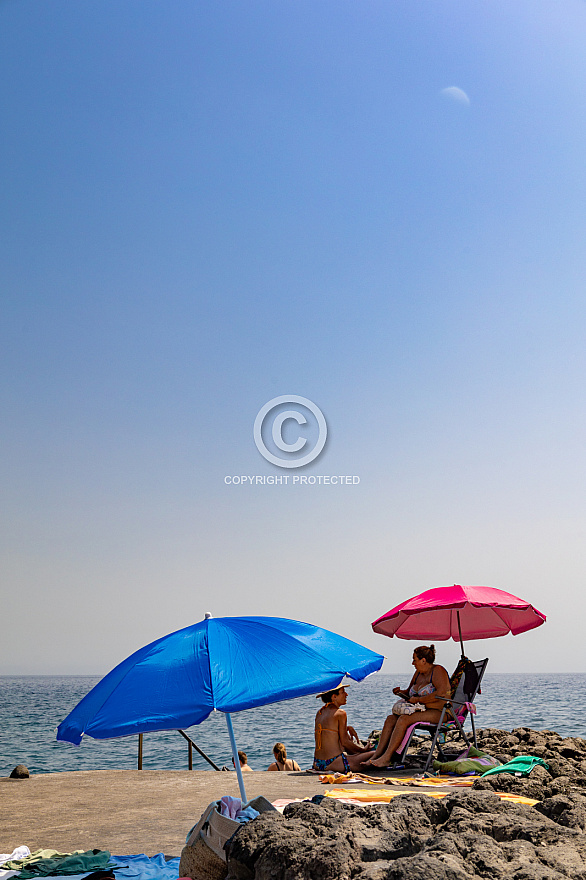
{"x": 337, "y": 746}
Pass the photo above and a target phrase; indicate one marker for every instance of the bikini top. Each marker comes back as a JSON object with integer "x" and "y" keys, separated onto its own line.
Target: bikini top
{"x": 292, "y": 761}
{"x": 318, "y": 732}
{"x": 424, "y": 691}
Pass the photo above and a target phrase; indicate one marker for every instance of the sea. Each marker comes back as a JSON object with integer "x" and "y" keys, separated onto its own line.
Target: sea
{"x": 31, "y": 708}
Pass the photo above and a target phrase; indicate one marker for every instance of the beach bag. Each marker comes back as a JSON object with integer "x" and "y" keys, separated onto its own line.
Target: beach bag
{"x": 214, "y": 829}
{"x": 203, "y": 857}
{"x": 199, "y": 862}
{"x": 404, "y": 707}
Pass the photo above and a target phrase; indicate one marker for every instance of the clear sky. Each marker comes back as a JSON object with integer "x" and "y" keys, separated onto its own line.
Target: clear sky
{"x": 380, "y": 206}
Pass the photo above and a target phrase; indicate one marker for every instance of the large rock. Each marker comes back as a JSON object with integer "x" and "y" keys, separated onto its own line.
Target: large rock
{"x": 568, "y": 810}
{"x": 469, "y": 834}
{"x": 20, "y": 772}
{"x": 565, "y": 756}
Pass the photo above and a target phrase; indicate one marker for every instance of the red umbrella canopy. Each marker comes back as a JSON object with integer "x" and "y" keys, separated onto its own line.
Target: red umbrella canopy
{"x": 459, "y": 613}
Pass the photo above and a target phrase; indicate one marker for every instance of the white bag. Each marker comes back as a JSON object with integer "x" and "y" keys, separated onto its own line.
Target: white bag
{"x": 404, "y": 707}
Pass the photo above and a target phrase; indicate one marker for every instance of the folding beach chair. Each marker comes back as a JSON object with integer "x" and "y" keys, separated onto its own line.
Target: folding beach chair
{"x": 464, "y": 685}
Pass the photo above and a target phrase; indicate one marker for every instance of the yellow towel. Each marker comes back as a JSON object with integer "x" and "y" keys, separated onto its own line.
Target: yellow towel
{"x": 382, "y": 795}
{"x": 459, "y": 782}
{"x": 379, "y": 795}
{"x": 339, "y": 778}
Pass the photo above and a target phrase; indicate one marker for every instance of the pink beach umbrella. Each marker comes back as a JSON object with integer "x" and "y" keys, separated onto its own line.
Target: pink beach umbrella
{"x": 459, "y": 613}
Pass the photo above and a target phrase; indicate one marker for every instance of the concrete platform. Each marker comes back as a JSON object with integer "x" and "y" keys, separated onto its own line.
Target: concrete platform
{"x": 125, "y": 811}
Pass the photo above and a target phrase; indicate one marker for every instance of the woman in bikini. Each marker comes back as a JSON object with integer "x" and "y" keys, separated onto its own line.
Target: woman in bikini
{"x": 337, "y": 746}
{"x": 282, "y": 762}
{"x": 429, "y": 683}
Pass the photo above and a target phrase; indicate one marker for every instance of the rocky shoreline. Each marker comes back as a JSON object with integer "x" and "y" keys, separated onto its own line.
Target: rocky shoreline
{"x": 468, "y": 834}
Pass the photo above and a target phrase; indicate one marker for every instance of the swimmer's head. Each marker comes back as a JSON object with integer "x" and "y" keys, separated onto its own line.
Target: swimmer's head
{"x": 280, "y": 752}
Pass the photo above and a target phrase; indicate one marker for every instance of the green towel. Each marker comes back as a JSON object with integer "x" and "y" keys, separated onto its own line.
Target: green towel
{"x": 470, "y": 761}
{"x": 78, "y": 863}
{"x": 19, "y": 864}
{"x": 520, "y": 766}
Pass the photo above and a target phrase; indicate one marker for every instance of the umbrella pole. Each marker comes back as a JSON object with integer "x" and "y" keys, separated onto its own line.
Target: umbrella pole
{"x": 236, "y": 760}
{"x": 460, "y": 631}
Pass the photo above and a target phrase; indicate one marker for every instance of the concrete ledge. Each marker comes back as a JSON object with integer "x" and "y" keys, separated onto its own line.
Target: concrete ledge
{"x": 125, "y": 811}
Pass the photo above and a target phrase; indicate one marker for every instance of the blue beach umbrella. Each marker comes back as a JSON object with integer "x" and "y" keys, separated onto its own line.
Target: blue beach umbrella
{"x": 225, "y": 664}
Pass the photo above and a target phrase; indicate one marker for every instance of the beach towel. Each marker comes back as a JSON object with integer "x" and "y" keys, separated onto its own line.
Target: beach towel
{"x": 63, "y": 865}
{"x": 230, "y": 806}
{"x": 384, "y": 796}
{"x": 343, "y": 778}
{"x": 136, "y": 867}
{"x": 522, "y": 765}
{"x": 141, "y": 867}
{"x": 24, "y": 856}
{"x": 374, "y": 796}
{"x": 471, "y": 760}
{"x": 21, "y": 852}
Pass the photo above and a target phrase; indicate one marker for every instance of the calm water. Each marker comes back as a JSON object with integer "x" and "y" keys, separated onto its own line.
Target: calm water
{"x": 31, "y": 707}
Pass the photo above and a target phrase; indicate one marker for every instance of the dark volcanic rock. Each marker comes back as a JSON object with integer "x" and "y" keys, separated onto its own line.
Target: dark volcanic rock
{"x": 568, "y": 810}
{"x": 565, "y": 756}
{"x": 20, "y": 772}
{"x": 469, "y": 834}
{"x": 331, "y": 840}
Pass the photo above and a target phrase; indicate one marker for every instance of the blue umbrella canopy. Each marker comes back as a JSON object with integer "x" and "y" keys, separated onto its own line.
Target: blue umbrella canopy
{"x": 223, "y": 663}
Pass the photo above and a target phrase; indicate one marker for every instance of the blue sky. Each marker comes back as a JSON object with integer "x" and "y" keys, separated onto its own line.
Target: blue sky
{"x": 208, "y": 205}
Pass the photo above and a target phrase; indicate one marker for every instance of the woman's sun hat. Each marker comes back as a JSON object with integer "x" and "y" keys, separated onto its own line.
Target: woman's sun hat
{"x": 332, "y": 690}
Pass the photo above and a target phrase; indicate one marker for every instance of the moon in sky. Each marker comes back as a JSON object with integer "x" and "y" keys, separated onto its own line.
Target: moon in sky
{"x": 453, "y": 93}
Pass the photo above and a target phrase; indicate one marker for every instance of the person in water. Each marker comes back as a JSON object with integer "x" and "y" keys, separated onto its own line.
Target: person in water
{"x": 243, "y": 761}
{"x": 337, "y": 746}
{"x": 282, "y": 762}
{"x": 430, "y": 683}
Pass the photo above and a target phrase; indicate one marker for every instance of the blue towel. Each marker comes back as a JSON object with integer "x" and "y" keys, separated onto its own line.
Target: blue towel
{"x": 247, "y": 814}
{"x": 138, "y": 867}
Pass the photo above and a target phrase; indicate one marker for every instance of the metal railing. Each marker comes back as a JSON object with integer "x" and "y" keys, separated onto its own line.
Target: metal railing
{"x": 191, "y": 745}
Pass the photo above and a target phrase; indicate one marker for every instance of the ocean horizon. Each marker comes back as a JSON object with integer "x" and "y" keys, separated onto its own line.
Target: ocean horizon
{"x": 32, "y": 706}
